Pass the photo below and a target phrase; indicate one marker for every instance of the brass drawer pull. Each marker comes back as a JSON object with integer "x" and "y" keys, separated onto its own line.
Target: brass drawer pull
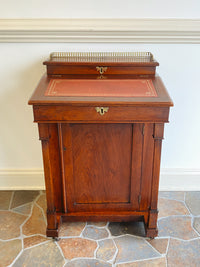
{"x": 101, "y": 69}
{"x": 102, "y": 110}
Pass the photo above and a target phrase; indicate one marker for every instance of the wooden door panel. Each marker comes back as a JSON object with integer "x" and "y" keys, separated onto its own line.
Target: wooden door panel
{"x": 102, "y": 162}
{"x": 99, "y": 169}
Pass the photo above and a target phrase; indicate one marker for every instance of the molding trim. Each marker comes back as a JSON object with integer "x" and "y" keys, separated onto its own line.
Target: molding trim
{"x": 33, "y": 179}
{"x": 22, "y": 179}
{"x": 180, "y": 179}
{"x": 100, "y": 30}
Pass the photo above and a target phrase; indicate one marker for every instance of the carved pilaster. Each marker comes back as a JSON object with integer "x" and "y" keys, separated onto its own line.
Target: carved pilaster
{"x": 51, "y": 211}
{"x": 153, "y": 212}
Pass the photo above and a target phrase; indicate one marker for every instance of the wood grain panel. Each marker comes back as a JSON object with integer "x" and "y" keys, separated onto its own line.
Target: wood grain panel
{"x": 147, "y": 161}
{"x": 62, "y": 70}
{"x": 102, "y": 161}
{"x": 114, "y": 114}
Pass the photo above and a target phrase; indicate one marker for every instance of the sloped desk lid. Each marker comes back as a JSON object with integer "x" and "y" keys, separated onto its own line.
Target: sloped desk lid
{"x": 109, "y": 91}
{"x": 98, "y": 88}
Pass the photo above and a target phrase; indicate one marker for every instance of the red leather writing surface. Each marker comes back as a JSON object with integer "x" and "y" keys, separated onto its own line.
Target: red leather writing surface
{"x": 112, "y": 88}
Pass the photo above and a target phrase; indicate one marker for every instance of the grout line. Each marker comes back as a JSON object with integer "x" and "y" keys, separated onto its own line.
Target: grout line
{"x": 166, "y": 261}
{"x": 94, "y": 226}
{"x": 153, "y": 247}
{"x": 7, "y": 240}
{"x": 28, "y": 217}
{"x": 167, "y": 251}
{"x": 135, "y": 236}
{"x": 81, "y": 234}
{"x": 192, "y": 223}
{"x": 108, "y": 230}
{"x": 177, "y": 215}
{"x": 42, "y": 193}
{"x": 111, "y": 261}
{"x": 26, "y": 236}
{"x": 37, "y": 245}
{"x": 177, "y": 238}
{"x": 16, "y": 258}
{"x": 159, "y": 256}
{"x": 81, "y": 258}
{"x": 172, "y": 199}
{"x": 21, "y": 206}
{"x": 11, "y": 199}
{"x": 16, "y": 212}
{"x": 116, "y": 252}
{"x": 22, "y": 242}
{"x": 59, "y": 248}
{"x": 185, "y": 240}
{"x": 140, "y": 260}
{"x": 81, "y": 237}
{"x": 74, "y": 236}
{"x": 158, "y": 237}
{"x": 43, "y": 214}
{"x": 87, "y": 258}
{"x": 21, "y": 236}
{"x": 196, "y": 216}
{"x": 21, "y": 226}
{"x": 95, "y": 252}
{"x": 188, "y": 208}
{"x": 168, "y": 247}
{"x": 113, "y": 238}
{"x": 192, "y": 216}
{"x": 104, "y": 226}
{"x": 25, "y": 249}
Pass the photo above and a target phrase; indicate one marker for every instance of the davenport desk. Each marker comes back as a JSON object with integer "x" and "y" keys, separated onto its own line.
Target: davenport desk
{"x": 101, "y": 118}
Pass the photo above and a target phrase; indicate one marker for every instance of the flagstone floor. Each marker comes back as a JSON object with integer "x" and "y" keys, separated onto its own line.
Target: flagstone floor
{"x": 23, "y": 241}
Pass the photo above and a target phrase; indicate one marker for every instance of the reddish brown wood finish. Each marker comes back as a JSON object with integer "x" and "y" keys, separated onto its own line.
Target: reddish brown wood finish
{"x": 100, "y": 176}
{"x": 101, "y": 167}
{"x": 60, "y": 71}
{"x": 82, "y": 114}
{"x": 163, "y": 99}
{"x": 45, "y": 137}
{"x": 59, "y": 67}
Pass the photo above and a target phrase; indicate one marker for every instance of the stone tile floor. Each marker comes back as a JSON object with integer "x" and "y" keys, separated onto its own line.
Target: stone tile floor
{"x": 23, "y": 241}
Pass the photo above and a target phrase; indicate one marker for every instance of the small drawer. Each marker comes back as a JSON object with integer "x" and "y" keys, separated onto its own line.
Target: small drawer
{"x": 59, "y": 71}
{"x": 98, "y": 114}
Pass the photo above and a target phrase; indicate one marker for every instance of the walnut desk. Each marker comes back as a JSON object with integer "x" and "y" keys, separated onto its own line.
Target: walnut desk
{"x": 101, "y": 118}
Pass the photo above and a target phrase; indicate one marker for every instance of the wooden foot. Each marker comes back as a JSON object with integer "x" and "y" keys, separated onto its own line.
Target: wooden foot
{"x": 52, "y": 223}
{"x": 151, "y": 226}
{"x": 52, "y": 232}
{"x": 151, "y": 232}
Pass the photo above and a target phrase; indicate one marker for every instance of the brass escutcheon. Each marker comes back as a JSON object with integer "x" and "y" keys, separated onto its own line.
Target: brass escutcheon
{"x": 101, "y": 69}
{"x": 102, "y": 110}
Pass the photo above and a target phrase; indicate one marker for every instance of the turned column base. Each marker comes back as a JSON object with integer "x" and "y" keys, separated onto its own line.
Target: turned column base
{"x": 52, "y": 232}
{"x": 151, "y": 232}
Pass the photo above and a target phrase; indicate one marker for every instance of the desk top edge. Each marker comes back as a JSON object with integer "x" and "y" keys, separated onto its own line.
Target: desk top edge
{"x": 163, "y": 98}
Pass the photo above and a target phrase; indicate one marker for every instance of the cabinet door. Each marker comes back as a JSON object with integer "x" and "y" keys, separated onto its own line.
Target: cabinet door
{"x": 102, "y": 166}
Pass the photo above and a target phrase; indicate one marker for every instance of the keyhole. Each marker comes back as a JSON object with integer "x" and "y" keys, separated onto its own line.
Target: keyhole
{"x": 102, "y": 111}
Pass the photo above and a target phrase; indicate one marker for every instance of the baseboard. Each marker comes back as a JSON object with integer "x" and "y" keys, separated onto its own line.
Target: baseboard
{"x": 22, "y": 179}
{"x": 33, "y": 179}
{"x": 180, "y": 179}
{"x": 100, "y": 30}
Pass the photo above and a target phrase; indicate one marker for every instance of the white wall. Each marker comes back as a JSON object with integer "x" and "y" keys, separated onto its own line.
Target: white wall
{"x": 100, "y": 9}
{"x": 21, "y": 68}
